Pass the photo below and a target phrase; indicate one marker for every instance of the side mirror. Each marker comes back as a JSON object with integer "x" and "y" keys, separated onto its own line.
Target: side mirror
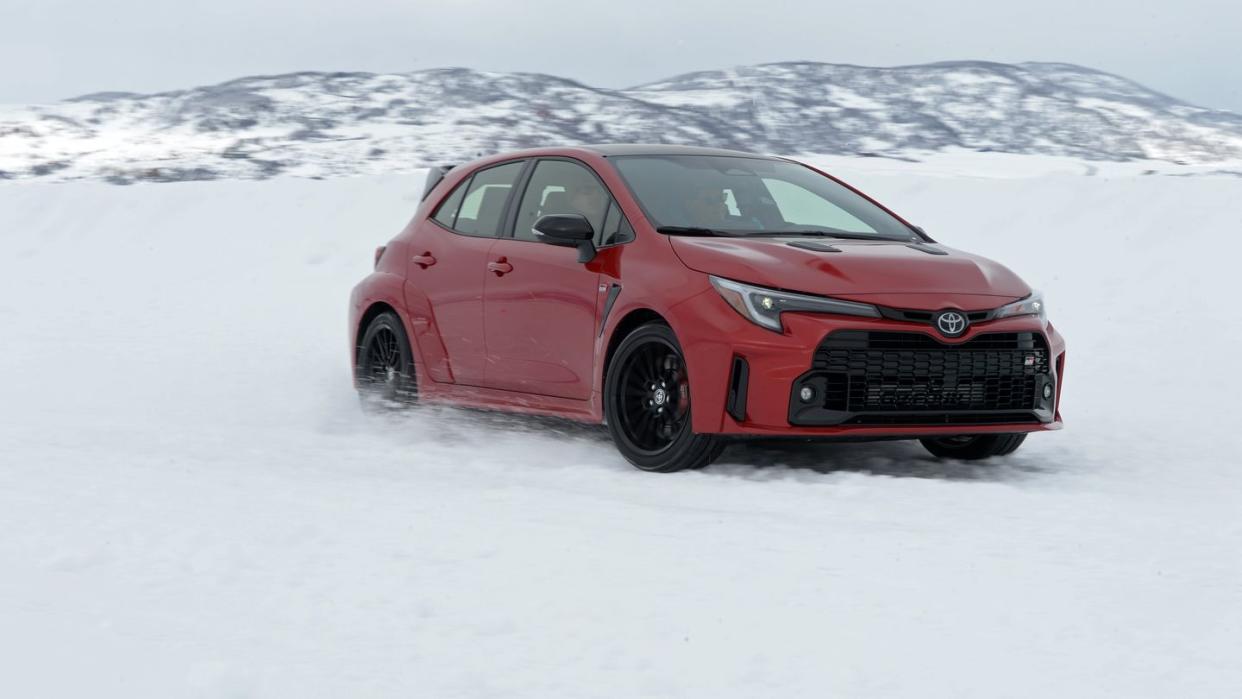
{"x": 567, "y": 230}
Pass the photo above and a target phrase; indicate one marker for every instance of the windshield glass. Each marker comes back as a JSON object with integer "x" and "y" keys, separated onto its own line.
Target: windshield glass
{"x": 751, "y": 196}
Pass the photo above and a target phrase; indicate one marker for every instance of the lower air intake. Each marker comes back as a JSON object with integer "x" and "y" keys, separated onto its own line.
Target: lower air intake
{"x": 912, "y": 378}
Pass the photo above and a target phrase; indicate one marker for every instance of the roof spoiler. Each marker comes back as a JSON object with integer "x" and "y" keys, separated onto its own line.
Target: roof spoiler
{"x": 434, "y": 175}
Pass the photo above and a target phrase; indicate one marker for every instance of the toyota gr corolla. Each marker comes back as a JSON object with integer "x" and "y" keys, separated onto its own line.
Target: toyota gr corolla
{"x": 687, "y": 296}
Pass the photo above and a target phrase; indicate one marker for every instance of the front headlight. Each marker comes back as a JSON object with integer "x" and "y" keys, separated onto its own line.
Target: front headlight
{"x": 1032, "y": 305}
{"x": 764, "y": 306}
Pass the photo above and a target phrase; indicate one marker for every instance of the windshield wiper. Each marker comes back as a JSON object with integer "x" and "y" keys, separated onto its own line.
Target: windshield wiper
{"x": 692, "y": 230}
{"x": 810, "y": 232}
{"x": 843, "y": 235}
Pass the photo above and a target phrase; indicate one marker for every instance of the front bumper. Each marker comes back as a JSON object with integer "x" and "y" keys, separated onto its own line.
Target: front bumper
{"x": 731, "y": 358}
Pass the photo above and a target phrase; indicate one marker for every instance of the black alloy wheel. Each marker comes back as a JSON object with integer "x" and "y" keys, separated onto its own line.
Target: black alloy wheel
{"x": 385, "y": 366}
{"x": 647, "y": 404}
{"x": 972, "y": 447}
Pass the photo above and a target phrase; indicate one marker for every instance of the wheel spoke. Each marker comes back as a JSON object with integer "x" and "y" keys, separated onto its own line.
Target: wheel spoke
{"x": 385, "y": 367}
{"x": 390, "y": 350}
{"x": 653, "y": 402}
{"x": 654, "y": 360}
{"x": 636, "y": 380}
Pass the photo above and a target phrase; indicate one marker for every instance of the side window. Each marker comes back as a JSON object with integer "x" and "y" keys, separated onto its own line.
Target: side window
{"x": 561, "y": 187}
{"x": 447, "y": 213}
{"x": 801, "y": 206}
{"x": 483, "y": 204}
{"x": 616, "y": 228}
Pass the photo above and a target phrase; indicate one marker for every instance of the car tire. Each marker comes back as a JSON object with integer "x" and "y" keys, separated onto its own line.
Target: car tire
{"x": 384, "y": 367}
{"x": 972, "y": 447}
{"x": 647, "y": 404}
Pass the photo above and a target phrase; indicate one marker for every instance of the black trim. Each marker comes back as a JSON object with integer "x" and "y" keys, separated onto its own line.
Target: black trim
{"x": 509, "y": 220}
{"x": 465, "y": 191}
{"x": 623, "y": 224}
{"x": 950, "y": 418}
{"x": 586, "y": 252}
{"x": 613, "y": 292}
{"x": 909, "y": 315}
{"x": 739, "y": 383}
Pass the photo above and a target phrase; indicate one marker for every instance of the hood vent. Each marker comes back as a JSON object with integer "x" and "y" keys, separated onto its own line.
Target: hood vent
{"x": 927, "y": 249}
{"x": 813, "y": 246}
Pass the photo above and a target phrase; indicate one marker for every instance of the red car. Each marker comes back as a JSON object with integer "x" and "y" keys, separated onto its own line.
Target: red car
{"x": 687, "y": 296}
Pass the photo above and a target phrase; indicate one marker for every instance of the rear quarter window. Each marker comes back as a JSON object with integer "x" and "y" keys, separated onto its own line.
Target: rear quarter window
{"x": 476, "y": 206}
{"x": 446, "y": 214}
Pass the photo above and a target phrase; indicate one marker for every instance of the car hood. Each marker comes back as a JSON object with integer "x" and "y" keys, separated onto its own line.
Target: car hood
{"x": 889, "y": 273}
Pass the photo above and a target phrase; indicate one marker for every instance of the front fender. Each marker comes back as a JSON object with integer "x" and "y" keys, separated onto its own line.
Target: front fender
{"x": 684, "y": 285}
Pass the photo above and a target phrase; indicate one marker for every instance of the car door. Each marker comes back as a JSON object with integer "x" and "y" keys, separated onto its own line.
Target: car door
{"x": 539, "y": 301}
{"x": 447, "y": 268}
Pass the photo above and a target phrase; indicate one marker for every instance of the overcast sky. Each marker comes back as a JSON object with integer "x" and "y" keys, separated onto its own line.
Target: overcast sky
{"x": 50, "y": 49}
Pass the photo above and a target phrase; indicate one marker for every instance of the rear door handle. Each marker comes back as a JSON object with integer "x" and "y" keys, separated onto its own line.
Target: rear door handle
{"x": 424, "y": 260}
{"x": 500, "y": 267}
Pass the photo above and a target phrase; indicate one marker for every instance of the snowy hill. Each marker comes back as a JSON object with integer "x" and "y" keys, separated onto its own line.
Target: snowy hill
{"x": 330, "y": 124}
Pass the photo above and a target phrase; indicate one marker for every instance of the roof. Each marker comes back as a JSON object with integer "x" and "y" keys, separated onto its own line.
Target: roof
{"x": 611, "y": 149}
{"x": 605, "y": 150}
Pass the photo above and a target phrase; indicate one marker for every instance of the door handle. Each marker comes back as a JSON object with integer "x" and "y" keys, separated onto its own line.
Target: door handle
{"x": 501, "y": 267}
{"x": 424, "y": 260}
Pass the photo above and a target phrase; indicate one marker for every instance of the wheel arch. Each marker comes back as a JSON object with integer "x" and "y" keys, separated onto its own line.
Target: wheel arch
{"x": 375, "y": 309}
{"x": 629, "y": 322}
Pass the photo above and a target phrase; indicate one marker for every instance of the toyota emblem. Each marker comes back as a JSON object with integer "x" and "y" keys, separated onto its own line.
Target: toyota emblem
{"x": 951, "y": 323}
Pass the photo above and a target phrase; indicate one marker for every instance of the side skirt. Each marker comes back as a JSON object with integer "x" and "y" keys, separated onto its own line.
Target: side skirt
{"x": 587, "y": 411}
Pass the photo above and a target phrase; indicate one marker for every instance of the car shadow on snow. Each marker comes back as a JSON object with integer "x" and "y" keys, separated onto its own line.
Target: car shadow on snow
{"x": 893, "y": 458}
{"x": 770, "y": 459}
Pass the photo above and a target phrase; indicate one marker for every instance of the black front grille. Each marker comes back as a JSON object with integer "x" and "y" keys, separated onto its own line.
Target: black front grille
{"x": 900, "y": 374}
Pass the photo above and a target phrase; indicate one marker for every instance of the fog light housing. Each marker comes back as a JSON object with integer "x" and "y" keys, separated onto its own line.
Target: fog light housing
{"x": 806, "y": 394}
{"x": 1047, "y": 391}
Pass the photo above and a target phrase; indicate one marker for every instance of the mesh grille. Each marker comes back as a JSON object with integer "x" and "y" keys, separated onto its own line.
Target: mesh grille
{"x": 873, "y": 372}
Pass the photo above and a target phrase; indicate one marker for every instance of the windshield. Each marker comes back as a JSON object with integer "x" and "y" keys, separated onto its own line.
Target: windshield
{"x": 751, "y": 196}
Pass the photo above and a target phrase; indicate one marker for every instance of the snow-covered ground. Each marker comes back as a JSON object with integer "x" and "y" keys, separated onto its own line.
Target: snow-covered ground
{"x": 192, "y": 504}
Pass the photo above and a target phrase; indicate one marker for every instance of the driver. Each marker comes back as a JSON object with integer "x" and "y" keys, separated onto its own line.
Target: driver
{"x": 706, "y": 205}
{"x": 587, "y": 199}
